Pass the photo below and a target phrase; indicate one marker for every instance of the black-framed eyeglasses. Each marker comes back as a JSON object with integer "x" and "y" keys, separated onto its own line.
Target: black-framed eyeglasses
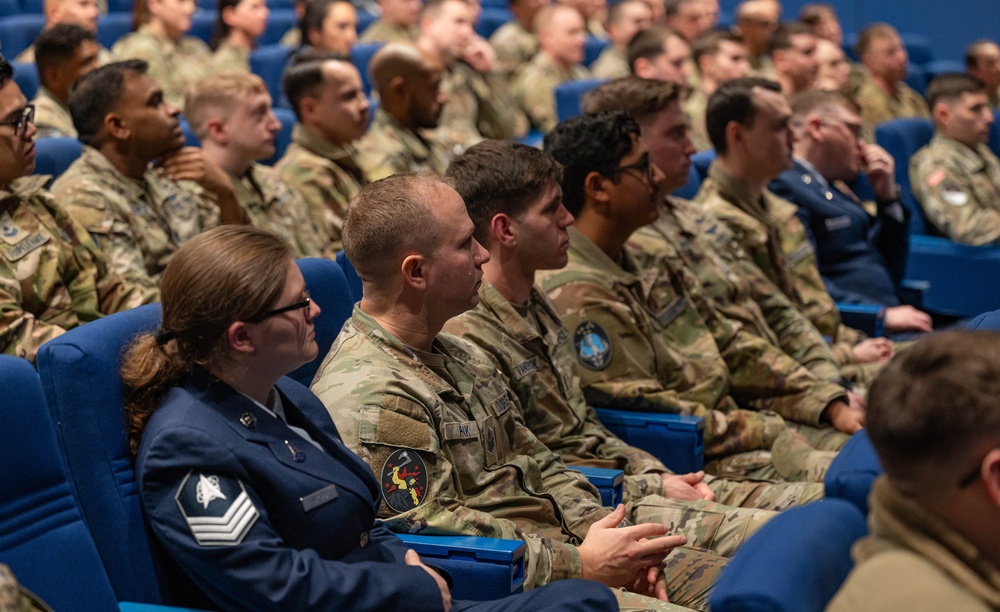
{"x": 306, "y": 303}
{"x": 27, "y": 116}
{"x": 644, "y": 166}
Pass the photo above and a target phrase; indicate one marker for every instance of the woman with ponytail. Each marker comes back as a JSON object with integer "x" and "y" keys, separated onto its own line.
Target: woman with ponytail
{"x": 238, "y": 25}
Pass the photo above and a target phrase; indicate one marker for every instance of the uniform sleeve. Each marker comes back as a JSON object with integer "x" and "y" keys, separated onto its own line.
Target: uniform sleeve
{"x": 536, "y": 99}
{"x": 255, "y": 569}
{"x": 951, "y": 204}
{"x": 499, "y": 116}
{"x": 20, "y": 332}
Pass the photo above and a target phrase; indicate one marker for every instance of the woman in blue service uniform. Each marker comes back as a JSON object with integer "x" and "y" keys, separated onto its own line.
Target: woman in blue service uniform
{"x": 242, "y": 474}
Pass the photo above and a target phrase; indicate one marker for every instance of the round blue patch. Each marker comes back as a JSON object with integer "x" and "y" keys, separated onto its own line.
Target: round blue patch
{"x": 593, "y": 346}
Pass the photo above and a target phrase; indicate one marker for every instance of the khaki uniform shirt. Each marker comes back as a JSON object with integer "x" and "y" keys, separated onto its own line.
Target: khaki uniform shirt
{"x": 694, "y": 107}
{"x": 612, "y": 63}
{"x": 52, "y": 275}
{"x": 173, "y": 64}
{"x": 913, "y": 561}
{"x": 762, "y": 66}
{"x": 959, "y": 190}
{"x": 229, "y": 58}
{"x": 272, "y": 205}
{"x": 514, "y": 46}
{"x": 877, "y": 106}
{"x": 388, "y": 148}
{"x": 138, "y": 225}
{"x": 52, "y": 117}
{"x": 327, "y": 177}
{"x": 534, "y": 85}
{"x": 380, "y": 31}
{"x": 292, "y": 38}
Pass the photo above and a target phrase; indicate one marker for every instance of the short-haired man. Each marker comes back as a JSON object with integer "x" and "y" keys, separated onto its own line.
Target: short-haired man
{"x": 63, "y": 53}
{"x": 884, "y": 95}
{"x": 662, "y": 54}
{"x": 594, "y": 13}
{"x": 138, "y": 211}
{"x": 231, "y": 114}
{"x": 411, "y": 400}
{"x": 321, "y": 164}
{"x": 645, "y": 342}
{"x": 756, "y": 21}
{"x": 689, "y": 18}
{"x": 52, "y": 275}
{"x": 330, "y": 26}
{"x": 793, "y": 51}
{"x": 397, "y": 22}
{"x": 400, "y": 140}
{"x": 719, "y": 57}
{"x": 862, "y": 257}
{"x": 833, "y": 71}
{"x": 561, "y": 39}
{"x": 625, "y": 20}
{"x": 934, "y": 422}
{"x": 514, "y": 42}
{"x": 822, "y": 19}
{"x": 749, "y": 123}
{"x": 982, "y": 60}
{"x": 83, "y": 13}
{"x": 956, "y": 177}
{"x": 513, "y": 194}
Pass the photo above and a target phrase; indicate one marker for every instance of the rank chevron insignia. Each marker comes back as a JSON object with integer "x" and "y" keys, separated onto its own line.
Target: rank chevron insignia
{"x": 217, "y": 509}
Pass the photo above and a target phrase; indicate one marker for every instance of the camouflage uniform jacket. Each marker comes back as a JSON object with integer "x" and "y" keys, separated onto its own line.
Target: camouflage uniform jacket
{"x": 478, "y": 107}
{"x": 229, "y": 58}
{"x": 877, "y": 106}
{"x": 612, "y": 63}
{"x": 959, "y": 190}
{"x": 694, "y": 107}
{"x": 52, "y": 276}
{"x": 380, "y": 31}
{"x": 52, "y": 117}
{"x": 778, "y": 243}
{"x": 16, "y": 598}
{"x": 173, "y": 64}
{"x": 762, "y": 66}
{"x": 388, "y": 148}
{"x": 534, "y": 89}
{"x": 475, "y": 468}
{"x": 271, "y": 204}
{"x": 515, "y": 45}
{"x": 534, "y": 353}
{"x": 138, "y": 225}
{"x": 327, "y": 176}
{"x": 739, "y": 290}
{"x": 644, "y": 350}
{"x": 292, "y": 38}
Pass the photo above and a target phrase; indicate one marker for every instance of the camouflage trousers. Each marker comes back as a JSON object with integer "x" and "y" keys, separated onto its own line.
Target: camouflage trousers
{"x": 710, "y": 525}
{"x": 764, "y": 494}
{"x": 690, "y": 574}
{"x": 801, "y": 453}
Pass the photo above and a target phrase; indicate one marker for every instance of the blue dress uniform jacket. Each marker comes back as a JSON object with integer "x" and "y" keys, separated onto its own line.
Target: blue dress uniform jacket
{"x": 861, "y": 257}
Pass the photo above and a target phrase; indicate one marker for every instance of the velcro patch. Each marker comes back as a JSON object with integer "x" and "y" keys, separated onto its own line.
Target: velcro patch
{"x": 395, "y": 429}
{"x": 403, "y": 480}
{"x": 25, "y": 246}
{"x": 217, "y": 509}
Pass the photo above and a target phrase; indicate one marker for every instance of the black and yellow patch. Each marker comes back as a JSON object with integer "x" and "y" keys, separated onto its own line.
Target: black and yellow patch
{"x": 403, "y": 480}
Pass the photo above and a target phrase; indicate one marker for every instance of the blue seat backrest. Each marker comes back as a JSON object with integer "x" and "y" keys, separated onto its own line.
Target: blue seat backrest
{"x": 54, "y": 155}
{"x": 203, "y": 25}
{"x": 79, "y": 376}
{"x": 268, "y": 62}
{"x": 902, "y": 138}
{"x": 9, "y": 8}
{"x": 690, "y": 188}
{"x": 43, "y": 537}
{"x": 795, "y": 563}
{"x": 491, "y": 19}
{"x": 353, "y": 280}
{"x": 121, "y": 6}
{"x": 361, "y": 56}
{"x": 994, "y": 142}
{"x": 702, "y": 161}
{"x": 112, "y": 26}
{"x": 26, "y": 77}
{"x": 916, "y": 78}
{"x": 570, "y": 94}
{"x": 852, "y": 472}
{"x": 918, "y": 47}
{"x": 328, "y": 287}
{"x": 279, "y": 22}
{"x": 33, "y": 6}
{"x": 365, "y": 19}
{"x": 593, "y": 48}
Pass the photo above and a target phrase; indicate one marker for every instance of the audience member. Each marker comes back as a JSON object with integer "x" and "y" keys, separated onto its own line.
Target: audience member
{"x": 982, "y": 60}
{"x": 689, "y": 18}
{"x": 956, "y": 178}
{"x": 662, "y": 54}
{"x": 83, "y": 13}
{"x": 321, "y": 164}
{"x": 719, "y": 57}
{"x": 330, "y": 25}
{"x": 625, "y": 19}
{"x": 756, "y": 21}
{"x": 237, "y": 27}
{"x": 63, "y": 53}
{"x": 833, "y": 71}
{"x": 594, "y": 13}
{"x": 822, "y": 19}
{"x": 397, "y": 22}
{"x": 515, "y": 42}
{"x": 883, "y": 95}
{"x": 793, "y": 51}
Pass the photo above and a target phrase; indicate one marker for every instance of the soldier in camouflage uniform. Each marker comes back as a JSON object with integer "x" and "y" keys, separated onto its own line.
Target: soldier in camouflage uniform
{"x": 514, "y": 42}
{"x": 514, "y": 187}
{"x": 65, "y": 53}
{"x": 433, "y": 419}
{"x": 52, "y": 276}
{"x": 400, "y": 138}
{"x": 625, "y": 20}
{"x": 764, "y": 224}
{"x": 238, "y": 26}
{"x": 137, "y": 211}
{"x": 561, "y": 38}
{"x": 956, "y": 178}
{"x": 321, "y": 163}
{"x": 883, "y": 95}
{"x": 396, "y": 23}
{"x": 231, "y": 114}
{"x": 718, "y": 57}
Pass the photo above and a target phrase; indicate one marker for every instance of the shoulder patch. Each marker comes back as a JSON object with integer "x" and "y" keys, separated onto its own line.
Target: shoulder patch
{"x": 404, "y": 480}
{"x": 217, "y": 509}
{"x": 953, "y": 194}
{"x": 593, "y": 346}
{"x": 934, "y": 178}
{"x": 9, "y": 231}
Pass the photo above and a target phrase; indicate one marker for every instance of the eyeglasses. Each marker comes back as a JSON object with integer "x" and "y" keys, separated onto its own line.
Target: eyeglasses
{"x": 306, "y": 303}
{"x": 27, "y": 116}
{"x": 644, "y": 167}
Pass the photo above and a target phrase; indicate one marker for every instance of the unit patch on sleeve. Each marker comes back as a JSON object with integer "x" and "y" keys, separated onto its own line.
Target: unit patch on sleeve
{"x": 593, "y": 346}
{"x": 217, "y": 509}
{"x": 404, "y": 480}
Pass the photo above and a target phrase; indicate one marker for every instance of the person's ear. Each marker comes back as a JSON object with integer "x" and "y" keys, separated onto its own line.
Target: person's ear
{"x": 116, "y": 127}
{"x": 942, "y": 114}
{"x": 990, "y": 470}
{"x": 215, "y": 130}
{"x": 239, "y": 338}
{"x": 596, "y": 193}
{"x": 502, "y": 230}
{"x": 812, "y": 127}
{"x": 414, "y": 271}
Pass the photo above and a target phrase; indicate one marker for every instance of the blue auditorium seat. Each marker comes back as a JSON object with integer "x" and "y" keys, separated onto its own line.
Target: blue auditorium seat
{"x": 203, "y": 25}
{"x": 18, "y": 32}
{"x": 902, "y": 138}
{"x": 54, "y": 155}
{"x": 353, "y": 280}
{"x": 33, "y": 6}
{"x": 994, "y": 142}
{"x": 491, "y": 19}
{"x": 689, "y": 189}
{"x": 9, "y": 8}
{"x": 987, "y": 321}
{"x": 280, "y": 21}
{"x": 570, "y": 94}
{"x": 361, "y": 56}
{"x": 328, "y": 288}
{"x": 795, "y": 563}
{"x": 593, "y": 48}
{"x": 938, "y": 67}
{"x": 852, "y": 472}
{"x": 26, "y": 77}
{"x": 121, "y": 6}
{"x": 268, "y": 62}
{"x": 365, "y": 19}
{"x": 916, "y": 78}
{"x": 112, "y": 26}
{"x": 676, "y": 440}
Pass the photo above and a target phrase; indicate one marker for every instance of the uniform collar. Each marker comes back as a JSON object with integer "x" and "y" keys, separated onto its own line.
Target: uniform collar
{"x": 971, "y": 160}
{"x": 516, "y": 325}
{"x": 307, "y": 139}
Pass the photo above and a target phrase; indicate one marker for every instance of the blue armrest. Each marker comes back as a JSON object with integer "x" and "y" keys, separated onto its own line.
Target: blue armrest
{"x": 676, "y": 440}
{"x": 864, "y": 317}
{"x": 960, "y": 275}
{"x": 608, "y": 481}
{"x": 128, "y": 606}
{"x": 483, "y": 568}
{"x": 912, "y": 292}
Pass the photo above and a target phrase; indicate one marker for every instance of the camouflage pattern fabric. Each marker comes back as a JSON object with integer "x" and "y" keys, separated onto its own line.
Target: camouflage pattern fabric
{"x": 388, "y": 148}
{"x": 695, "y": 106}
{"x": 229, "y": 58}
{"x": 877, "y": 106}
{"x": 612, "y": 63}
{"x": 478, "y": 107}
{"x": 533, "y": 89}
{"x": 52, "y": 275}
{"x": 514, "y": 46}
{"x": 16, "y": 598}
{"x": 959, "y": 190}
{"x": 326, "y": 175}
{"x": 174, "y": 65}
{"x": 381, "y": 31}
{"x": 52, "y": 118}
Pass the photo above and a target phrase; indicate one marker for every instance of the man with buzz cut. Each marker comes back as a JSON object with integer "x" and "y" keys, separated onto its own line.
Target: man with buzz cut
{"x": 63, "y": 53}
{"x": 512, "y": 194}
{"x": 625, "y": 20}
{"x": 411, "y": 400}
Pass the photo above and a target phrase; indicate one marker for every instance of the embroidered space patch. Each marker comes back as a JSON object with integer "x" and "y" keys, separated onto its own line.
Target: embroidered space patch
{"x": 593, "y": 346}
{"x": 217, "y": 509}
{"x": 404, "y": 480}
